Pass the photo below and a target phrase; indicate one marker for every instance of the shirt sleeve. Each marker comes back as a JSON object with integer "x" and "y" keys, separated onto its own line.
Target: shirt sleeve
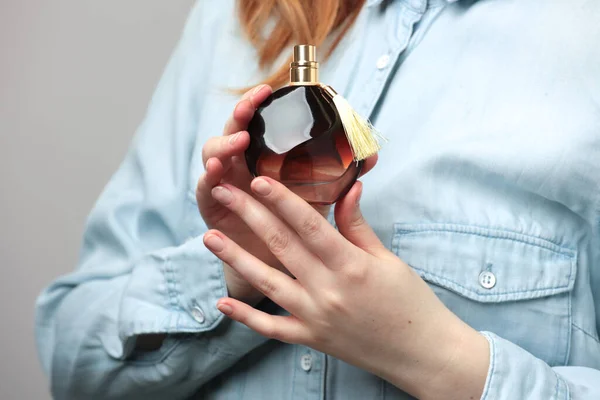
{"x": 139, "y": 272}
{"x": 516, "y": 374}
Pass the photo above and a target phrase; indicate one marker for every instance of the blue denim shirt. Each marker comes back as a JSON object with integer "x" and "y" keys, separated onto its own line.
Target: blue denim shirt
{"x": 489, "y": 187}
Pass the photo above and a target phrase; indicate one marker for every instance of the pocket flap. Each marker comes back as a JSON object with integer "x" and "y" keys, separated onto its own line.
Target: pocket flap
{"x": 518, "y": 266}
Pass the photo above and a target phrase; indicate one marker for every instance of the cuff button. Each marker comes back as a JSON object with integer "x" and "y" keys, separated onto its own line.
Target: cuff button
{"x": 198, "y": 314}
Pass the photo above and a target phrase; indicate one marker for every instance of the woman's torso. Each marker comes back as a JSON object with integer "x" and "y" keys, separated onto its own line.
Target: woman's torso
{"x": 488, "y": 186}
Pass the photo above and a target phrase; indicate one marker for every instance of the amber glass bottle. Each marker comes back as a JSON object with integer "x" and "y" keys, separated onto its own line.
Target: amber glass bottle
{"x": 297, "y": 137}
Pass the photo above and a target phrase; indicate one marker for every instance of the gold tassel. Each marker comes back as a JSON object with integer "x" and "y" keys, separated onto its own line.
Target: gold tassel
{"x": 362, "y": 136}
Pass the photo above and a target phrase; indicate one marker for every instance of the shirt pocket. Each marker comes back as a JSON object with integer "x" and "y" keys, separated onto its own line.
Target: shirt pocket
{"x": 515, "y": 285}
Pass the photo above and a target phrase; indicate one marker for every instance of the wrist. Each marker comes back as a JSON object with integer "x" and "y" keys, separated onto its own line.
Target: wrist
{"x": 464, "y": 373}
{"x": 449, "y": 361}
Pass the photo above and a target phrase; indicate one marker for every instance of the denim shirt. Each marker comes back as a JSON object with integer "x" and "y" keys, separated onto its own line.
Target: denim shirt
{"x": 489, "y": 187}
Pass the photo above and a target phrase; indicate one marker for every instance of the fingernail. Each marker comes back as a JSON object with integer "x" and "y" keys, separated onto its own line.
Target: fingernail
{"x": 222, "y": 195}
{"x": 225, "y": 309}
{"x": 214, "y": 243}
{"x": 233, "y": 138}
{"x": 257, "y": 89}
{"x": 261, "y": 187}
{"x": 358, "y": 197}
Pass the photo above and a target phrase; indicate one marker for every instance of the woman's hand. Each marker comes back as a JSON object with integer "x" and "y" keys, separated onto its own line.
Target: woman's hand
{"x": 352, "y": 298}
{"x": 223, "y": 158}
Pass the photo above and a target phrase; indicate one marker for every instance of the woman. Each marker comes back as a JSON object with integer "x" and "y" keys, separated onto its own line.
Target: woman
{"x": 474, "y": 273}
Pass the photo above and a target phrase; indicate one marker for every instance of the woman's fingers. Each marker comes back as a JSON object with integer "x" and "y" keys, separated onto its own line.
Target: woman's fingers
{"x": 281, "y": 241}
{"x": 237, "y": 139}
{"x": 317, "y": 234}
{"x": 215, "y": 170}
{"x": 274, "y": 284}
{"x": 219, "y": 154}
{"x": 210, "y": 178}
{"x": 244, "y": 110}
{"x": 285, "y": 329}
{"x": 351, "y": 223}
{"x": 225, "y": 147}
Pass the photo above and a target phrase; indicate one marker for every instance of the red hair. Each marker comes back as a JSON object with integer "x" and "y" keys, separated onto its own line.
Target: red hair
{"x": 296, "y": 22}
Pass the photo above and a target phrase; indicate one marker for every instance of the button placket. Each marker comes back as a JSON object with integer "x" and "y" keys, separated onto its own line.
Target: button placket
{"x": 383, "y": 62}
{"x": 308, "y": 372}
{"x": 404, "y": 19}
{"x": 306, "y": 362}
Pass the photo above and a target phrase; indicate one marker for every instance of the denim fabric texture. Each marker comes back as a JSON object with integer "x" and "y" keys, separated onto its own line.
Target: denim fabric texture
{"x": 489, "y": 187}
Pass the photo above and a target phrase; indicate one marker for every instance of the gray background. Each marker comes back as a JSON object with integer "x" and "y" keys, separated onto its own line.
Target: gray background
{"x": 75, "y": 79}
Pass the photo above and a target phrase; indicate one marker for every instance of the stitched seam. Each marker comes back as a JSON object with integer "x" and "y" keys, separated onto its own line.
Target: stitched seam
{"x": 569, "y": 331}
{"x": 560, "y": 384}
{"x": 474, "y": 230}
{"x": 567, "y": 389}
{"x": 176, "y": 285}
{"x": 294, "y": 372}
{"x": 171, "y": 289}
{"x": 551, "y": 290}
{"x": 512, "y": 239}
{"x": 322, "y": 380}
{"x": 585, "y": 332}
{"x": 163, "y": 270}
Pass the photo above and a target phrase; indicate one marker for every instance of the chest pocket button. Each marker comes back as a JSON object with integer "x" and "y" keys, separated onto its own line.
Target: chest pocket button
{"x": 487, "y": 279}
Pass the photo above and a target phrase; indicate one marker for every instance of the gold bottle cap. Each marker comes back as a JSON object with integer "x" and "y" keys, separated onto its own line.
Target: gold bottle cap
{"x": 304, "y": 69}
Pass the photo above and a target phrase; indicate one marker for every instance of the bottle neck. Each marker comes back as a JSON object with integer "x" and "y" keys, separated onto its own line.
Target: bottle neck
{"x": 304, "y": 74}
{"x": 304, "y": 69}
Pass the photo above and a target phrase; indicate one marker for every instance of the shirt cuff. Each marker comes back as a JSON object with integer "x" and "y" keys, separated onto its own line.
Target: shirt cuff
{"x": 516, "y": 374}
{"x": 173, "y": 290}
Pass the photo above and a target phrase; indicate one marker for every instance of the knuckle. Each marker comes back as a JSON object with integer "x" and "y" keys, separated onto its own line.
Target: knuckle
{"x": 332, "y": 301}
{"x": 247, "y": 94}
{"x": 320, "y": 336}
{"x": 200, "y": 194}
{"x": 311, "y": 226}
{"x": 272, "y": 332}
{"x": 356, "y": 274}
{"x": 208, "y": 149}
{"x": 228, "y": 127}
{"x": 356, "y": 222}
{"x": 277, "y": 241}
{"x": 266, "y": 286}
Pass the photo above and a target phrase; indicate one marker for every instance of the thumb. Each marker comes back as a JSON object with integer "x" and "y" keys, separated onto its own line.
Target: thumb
{"x": 352, "y": 225}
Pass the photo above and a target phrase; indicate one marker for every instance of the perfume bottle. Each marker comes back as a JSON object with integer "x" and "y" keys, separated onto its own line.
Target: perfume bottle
{"x": 298, "y": 136}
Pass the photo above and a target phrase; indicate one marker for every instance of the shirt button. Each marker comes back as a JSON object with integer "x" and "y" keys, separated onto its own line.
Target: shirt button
{"x": 487, "y": 279}
{"x": 198, "y": 314}
{"x": 306, "y": 362}
{"x": 383, "y": 61}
